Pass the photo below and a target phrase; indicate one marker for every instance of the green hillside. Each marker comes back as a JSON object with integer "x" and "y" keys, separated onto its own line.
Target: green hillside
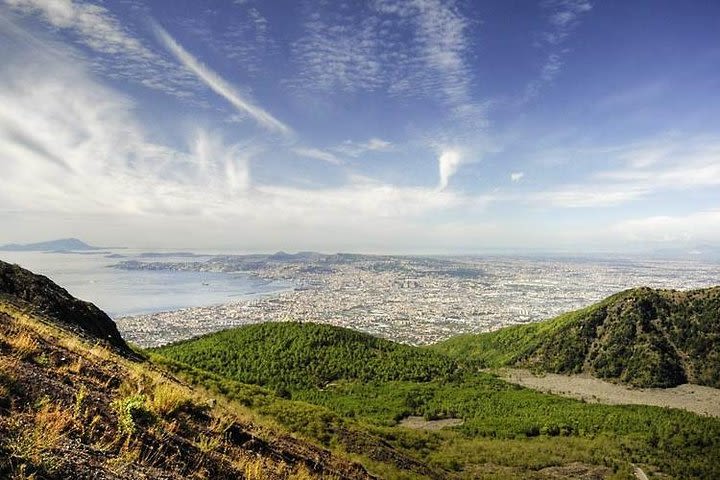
{"x": 506, "y": 432}
{"x": 643, "y": 337}
{"x": 308, "y": 355}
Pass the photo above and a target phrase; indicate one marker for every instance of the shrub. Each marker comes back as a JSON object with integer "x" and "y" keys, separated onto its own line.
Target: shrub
{"x": 132, "y": 411}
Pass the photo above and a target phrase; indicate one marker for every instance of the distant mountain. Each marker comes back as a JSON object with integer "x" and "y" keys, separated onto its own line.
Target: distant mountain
{"x": 61, "y": 245}
{"x": 642, "y": 337}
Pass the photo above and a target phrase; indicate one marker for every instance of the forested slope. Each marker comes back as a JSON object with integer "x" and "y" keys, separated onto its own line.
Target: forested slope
{"x": 643, "y": 337}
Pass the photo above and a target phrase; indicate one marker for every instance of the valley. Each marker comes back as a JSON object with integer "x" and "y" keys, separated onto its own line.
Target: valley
{"x": 299, "y": 400}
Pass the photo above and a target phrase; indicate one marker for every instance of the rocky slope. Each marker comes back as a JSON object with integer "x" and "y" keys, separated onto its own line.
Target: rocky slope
{"x": 75, "y": 402}
{"x": 43, "y": 297}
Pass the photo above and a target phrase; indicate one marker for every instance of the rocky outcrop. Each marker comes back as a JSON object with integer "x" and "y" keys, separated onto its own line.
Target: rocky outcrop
{"x": 43, "y": 297}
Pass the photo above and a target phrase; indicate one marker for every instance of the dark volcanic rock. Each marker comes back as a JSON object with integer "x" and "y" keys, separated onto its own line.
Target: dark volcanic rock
{"x": 43, "y": 296}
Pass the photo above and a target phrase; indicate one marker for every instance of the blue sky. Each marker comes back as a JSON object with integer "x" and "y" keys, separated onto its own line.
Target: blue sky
{"x": 383, "y": 126}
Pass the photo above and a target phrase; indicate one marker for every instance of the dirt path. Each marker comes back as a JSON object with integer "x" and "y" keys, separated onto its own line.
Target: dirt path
{"x": 419, "y": 423}
{"x": 694, "y": 398}
{"x": 639, "y": 474}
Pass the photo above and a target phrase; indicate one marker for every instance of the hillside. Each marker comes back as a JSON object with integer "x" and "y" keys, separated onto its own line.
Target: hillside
{"x": 38, "y": 294}
{"x": 501, "y": 430}
{"x": 297, "y": 355}
{"x": 642, "y": 337}
{"x": 74, "y": 405}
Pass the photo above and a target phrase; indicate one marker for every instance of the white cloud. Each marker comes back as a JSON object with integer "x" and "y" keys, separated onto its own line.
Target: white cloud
{"x": 120, "y": 54}
{"x": 318, "y": 154}
{"x": 377, "y": 144}
{"x": 586, "y": 196}
{"x": 90, "y": 162}
{"x": 364, "y": 50}
{"x": 660, "y": 164}
{"x": 563, "y": 16}
{"x": 80, "y": 146}
{"x": 668, "y": 162}
{"x": 219, "y": 85}
{"x": 246, "y": 41}
{"x": 356, "y": 149}
{"x": 448, "y": 163}
{"x": 516, "y": 176}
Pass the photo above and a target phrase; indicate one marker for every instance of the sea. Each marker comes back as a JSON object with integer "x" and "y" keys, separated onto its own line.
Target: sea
{"x": 90, "y": 276}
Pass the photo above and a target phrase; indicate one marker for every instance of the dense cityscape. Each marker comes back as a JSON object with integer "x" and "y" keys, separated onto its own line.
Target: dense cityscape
{"x": 416, "y": 300}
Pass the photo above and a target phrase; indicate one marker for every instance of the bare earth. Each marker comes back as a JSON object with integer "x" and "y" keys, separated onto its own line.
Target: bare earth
{"x": 419, "y": 423}
{"x": 693, "y": 398}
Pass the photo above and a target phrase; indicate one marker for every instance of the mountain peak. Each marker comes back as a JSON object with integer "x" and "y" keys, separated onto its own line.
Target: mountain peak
{"x": 61, "y": 245}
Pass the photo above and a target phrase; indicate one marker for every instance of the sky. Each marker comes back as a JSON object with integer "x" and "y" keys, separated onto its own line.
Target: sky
{"x": 387, "y": 126}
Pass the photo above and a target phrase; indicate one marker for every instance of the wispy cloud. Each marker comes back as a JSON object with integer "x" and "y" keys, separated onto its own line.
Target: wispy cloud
{"x": 589, "y": 195}
{"x": 366, "y": 50}
{"x": 317, "y": 154}
{"x": 219, "y": 85}
{"x": 697, "y": 227}
{"x": 516, "y": 176}
{"x": 112, "y": 169}
{"x": 119, "y": 52}
{"x": 339, "y": 53}
{"x": 356, "y": 149}
{"x": 246, "y": 41}
{"x": 562, "y": 16}
{"x": 662, "y": 164}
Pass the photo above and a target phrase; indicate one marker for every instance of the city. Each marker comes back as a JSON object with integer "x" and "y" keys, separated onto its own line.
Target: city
{"x": 415, "y": 300}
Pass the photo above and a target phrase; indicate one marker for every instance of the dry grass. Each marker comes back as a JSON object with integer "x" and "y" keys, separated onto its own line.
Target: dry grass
{"x": 8, "y": 367}
{"x": 39, "y": 439}
{"x": 301, "y": 473}
{"x": 23, "y": 345}
{"x": 166, "y": 399}
{"x": 76, "y": 367}
{"x": 49, "y": 426}
{"x": 128, "y": 455}
{"x": 208, "y": 443}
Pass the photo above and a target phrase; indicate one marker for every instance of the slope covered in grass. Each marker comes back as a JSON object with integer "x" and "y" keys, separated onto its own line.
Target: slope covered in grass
{"x": 75, "y": 403}
{"x": 308, "y": 355}
{"x": 643, "y": 337}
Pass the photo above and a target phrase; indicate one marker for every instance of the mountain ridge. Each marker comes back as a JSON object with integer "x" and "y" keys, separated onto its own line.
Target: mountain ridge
{"x": 642, "y": 337}
{"x": 59, "y": 245}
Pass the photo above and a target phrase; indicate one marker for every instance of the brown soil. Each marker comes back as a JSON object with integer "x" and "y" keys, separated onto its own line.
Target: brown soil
{"x": 693, "y": 398}
{"x": 419, "y": 423}
{"x": 58, "y": 420}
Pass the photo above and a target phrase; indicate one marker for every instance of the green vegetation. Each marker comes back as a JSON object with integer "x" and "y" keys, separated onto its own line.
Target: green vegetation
{"x": 643, "y": 337}
{"x": 342, "y": 381}
{"x": 69, "y": 406}
{"x": 132, "y": 411}
{"x": 291, "y": 356}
